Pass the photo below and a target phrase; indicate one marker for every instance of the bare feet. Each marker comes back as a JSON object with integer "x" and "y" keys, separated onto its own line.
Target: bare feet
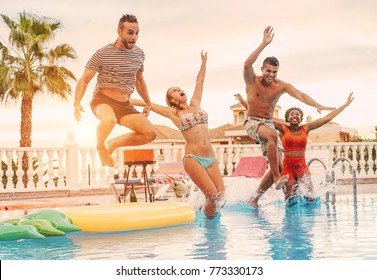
{"x": 254, "y": 202}
{"x": 110, "y": 146}
{"x": 210, "y": 209}
{"x": 214, "y": 205}
{"x": 255, "y": 198}
{"x": 105, "y": 157}
{"x": 281, "y": 182}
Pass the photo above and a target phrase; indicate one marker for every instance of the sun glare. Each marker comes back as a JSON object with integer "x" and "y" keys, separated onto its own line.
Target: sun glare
{"x": 85, "y": 134}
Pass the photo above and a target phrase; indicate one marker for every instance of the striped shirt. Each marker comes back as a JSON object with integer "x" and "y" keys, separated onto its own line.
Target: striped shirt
{"x": 117, "y": 67}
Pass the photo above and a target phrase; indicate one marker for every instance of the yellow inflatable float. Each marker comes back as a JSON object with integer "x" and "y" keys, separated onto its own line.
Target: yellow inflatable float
{"x": 130, "y": 216}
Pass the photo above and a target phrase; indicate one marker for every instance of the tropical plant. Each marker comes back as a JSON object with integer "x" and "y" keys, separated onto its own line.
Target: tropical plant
{"x": 28, "y": 67}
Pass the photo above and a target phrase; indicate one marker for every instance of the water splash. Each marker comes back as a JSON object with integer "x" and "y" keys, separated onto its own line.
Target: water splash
{"x": 239, "y": 190}
{"x": 320, "y": 182}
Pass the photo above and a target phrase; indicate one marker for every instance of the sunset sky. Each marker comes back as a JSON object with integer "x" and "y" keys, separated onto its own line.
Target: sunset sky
{"x": 326, "y": 49}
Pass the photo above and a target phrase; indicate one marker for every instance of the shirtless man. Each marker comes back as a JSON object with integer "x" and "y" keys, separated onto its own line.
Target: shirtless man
{"x": 263, "y": 92}
{"x": 120, "y": 67}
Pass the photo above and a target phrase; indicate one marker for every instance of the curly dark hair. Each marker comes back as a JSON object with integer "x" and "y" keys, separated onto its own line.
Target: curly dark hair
{"x": 290, "y": 110}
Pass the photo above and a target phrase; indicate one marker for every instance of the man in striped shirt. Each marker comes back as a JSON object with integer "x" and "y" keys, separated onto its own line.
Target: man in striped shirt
{"x": 120, "y": 69}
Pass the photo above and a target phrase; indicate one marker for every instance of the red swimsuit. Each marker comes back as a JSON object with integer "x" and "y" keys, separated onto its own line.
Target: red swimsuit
{"x": 295, "y": 167}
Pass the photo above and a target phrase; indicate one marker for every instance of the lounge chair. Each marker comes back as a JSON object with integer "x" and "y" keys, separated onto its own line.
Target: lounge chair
{"x": 244, "y": 181}
{"x": 171, "y": 174}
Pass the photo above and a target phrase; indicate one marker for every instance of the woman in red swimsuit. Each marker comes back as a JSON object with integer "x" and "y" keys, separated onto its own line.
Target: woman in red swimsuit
{"x": 294, "y": 140}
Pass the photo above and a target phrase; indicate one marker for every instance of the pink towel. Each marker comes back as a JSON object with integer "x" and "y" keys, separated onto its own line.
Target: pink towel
{"x": 173, "y": 169}
{"x": 253, "y": 167}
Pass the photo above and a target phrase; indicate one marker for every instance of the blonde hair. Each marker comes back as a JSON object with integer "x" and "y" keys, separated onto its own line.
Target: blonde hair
{"x": 169, "y": 101}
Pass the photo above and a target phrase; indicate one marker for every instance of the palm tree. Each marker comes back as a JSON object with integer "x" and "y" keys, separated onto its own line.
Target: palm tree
{"x": 29, "y": 67}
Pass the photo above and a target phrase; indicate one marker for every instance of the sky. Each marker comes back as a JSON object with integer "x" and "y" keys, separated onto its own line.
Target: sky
{"x": 326, "y": 48}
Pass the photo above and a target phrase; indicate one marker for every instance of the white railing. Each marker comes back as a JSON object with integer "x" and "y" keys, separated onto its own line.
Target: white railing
{"x": 73, "y": 167}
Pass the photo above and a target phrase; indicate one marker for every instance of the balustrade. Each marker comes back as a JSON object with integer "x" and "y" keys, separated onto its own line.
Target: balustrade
{"x": 73, "y": 167}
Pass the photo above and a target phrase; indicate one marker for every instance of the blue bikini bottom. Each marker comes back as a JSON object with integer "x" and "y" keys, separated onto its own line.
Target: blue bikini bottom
{"x": 203, "y": 161}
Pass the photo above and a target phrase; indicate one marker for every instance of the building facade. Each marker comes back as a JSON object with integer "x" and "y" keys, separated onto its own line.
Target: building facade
{"x": 234, "y": 133}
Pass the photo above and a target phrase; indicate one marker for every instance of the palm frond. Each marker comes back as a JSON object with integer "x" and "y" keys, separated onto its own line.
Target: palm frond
{"x": 28, "y": 65}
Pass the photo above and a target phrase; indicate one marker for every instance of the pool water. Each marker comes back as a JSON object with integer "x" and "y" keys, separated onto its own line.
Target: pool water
{"x": 344, "y": 229}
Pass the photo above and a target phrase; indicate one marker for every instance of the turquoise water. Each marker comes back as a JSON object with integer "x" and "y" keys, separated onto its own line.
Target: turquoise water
{"x": 345, "y": 229}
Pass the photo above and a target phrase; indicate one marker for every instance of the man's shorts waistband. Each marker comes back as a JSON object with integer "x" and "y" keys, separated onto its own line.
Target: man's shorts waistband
{"x": 262, "y": 120}
{"x": 110, "y": 100}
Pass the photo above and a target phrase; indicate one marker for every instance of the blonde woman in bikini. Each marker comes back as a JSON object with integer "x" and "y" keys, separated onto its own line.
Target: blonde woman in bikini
{"x": 199, "y": 160}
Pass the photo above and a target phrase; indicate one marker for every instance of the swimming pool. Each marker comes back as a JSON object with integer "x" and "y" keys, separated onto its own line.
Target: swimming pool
{"x": 342, "y": 230}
